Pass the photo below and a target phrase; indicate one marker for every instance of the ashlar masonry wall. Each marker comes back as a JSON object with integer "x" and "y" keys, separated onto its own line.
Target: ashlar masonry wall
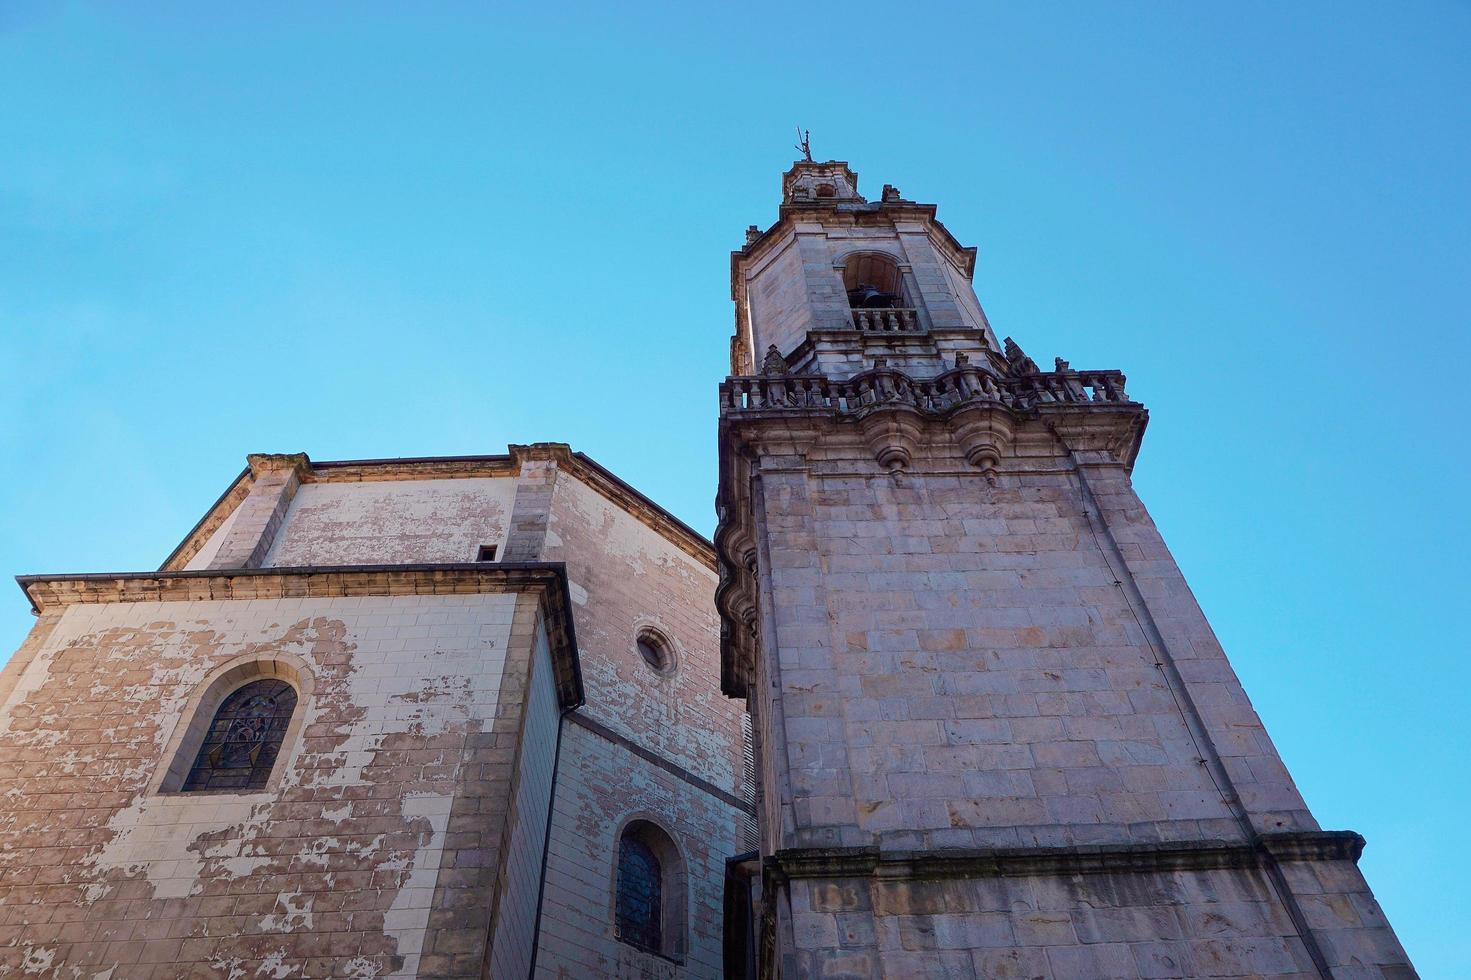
{"x": 1202, "y": 923}
{"x": 1011, "y": 668}
{"x": 624, "y": 577}
{"x": 960, "y": 668}
{"x": 602, "y": 785}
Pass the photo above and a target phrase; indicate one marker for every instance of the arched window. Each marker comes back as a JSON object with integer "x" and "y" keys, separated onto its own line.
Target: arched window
{"x": 650, "y": 892}
{"x": 242, "y": 742}
{"x": 640, "y": 895}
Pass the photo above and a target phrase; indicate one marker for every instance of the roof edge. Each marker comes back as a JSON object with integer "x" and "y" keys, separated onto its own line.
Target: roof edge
{"x": 546, "y": 579}
{"x": 612, "y": 486}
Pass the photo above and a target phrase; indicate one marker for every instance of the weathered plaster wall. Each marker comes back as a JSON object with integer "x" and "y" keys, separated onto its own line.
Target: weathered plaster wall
{"x": 363, "y": 523}
{"x": 415, "y": 803}
{"x": 332, "y": 872}
{"x": 624, "y": 576}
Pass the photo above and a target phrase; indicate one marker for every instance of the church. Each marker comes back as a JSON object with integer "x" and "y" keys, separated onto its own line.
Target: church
{"x": 935, "y": 702}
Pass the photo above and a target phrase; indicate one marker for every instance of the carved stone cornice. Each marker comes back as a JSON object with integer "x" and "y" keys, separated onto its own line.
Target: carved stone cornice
{"x": 262, "y": 463}
{"x": 559, "y": 452}
{"x": 1115, "y": 434}
{"x": 428, "y": 468}
{"x": 892, "y": 432}
{"x": 1209, "y": 855}
{"x": 934, "y": 395}
{"x": 987, "y": 416}
{"x": 1313, "y": 845}
{"x": 547, "y": 580}
{"x": 981, "y": 410}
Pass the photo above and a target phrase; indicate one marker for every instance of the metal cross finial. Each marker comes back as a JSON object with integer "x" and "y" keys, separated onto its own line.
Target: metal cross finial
{"x": 804, "y": 143}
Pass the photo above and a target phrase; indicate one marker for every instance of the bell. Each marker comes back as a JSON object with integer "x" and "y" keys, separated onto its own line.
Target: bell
{"x": 867, "y": 297}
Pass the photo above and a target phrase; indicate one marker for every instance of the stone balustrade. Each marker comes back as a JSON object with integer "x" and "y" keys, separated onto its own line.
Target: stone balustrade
{"x": 899, "y": 320}
{"x": 886, "y": 386}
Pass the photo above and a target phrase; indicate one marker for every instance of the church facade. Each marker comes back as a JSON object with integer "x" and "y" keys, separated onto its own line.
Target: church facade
{"x": 936, "y": 702}
{"x": 399, "y": 718}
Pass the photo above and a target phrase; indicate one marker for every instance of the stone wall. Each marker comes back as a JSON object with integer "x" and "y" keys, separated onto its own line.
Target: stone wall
{"x": 368, "y": 522}
{"x": 777, "y": 295}
{"x": 660, "y": 746}
{"x": 1224, "y": 923}
{"x": 514, "y": 942}
{"x": 962, "y": 680}
{"x": 995, "y": 734}
{"x": 341, "y": 865}
{"x": 959, "y": 669}
{"x": 407, "y": 823}
{"x": 625, "y": 577}
{"x": 406, "y": 826}
{"x": 790, "y": 282}
{"x": 601, "y": 786}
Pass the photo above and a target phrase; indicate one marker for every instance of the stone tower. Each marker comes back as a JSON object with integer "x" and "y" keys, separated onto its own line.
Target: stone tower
{"x": 995, "y": 734}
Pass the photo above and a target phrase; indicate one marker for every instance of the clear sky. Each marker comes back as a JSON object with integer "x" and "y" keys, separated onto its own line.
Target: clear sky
{"x": 362, "y": 232}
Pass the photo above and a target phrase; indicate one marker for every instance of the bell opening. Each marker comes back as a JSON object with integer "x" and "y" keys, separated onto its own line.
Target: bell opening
{"x": 873, "y": 283}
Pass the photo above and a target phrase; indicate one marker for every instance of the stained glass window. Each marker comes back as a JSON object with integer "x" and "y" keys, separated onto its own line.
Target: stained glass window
{"x": 241, "y": 745}
{"x": 640, "y": 895}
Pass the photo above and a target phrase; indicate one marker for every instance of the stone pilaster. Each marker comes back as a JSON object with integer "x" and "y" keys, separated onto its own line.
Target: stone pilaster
{"x": 274, "y": 479}
{"x": 528, "y": 531}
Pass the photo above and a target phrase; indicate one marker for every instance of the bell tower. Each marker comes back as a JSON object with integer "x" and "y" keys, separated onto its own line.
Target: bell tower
{"x": 995, "y": 735}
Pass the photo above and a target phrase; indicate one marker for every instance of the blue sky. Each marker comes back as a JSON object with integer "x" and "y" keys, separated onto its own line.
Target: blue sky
{"x": 362, "y": 232}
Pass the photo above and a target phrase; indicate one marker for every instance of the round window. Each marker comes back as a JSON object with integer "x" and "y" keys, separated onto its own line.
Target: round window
{"x": 655, "y": 650}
